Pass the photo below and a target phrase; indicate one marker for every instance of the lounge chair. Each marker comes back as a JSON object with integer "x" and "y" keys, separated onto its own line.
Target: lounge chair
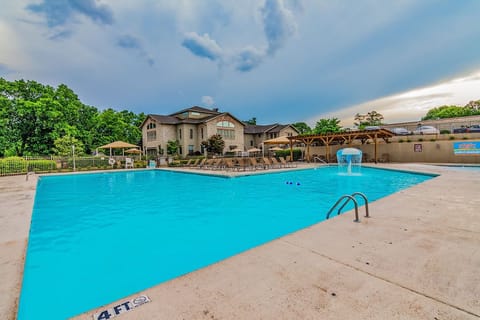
{"x": 229, "y": 165}
{"x": 268, "y": 164}
{"x": 243, "y": 163}
{"x": 285, "y": 163}
{"x": 275, "y": 163}
{"x": 128, "y": 163}
{"x": 254, "y": 164}
{"x": 194, "y": 163}
{"x": 202, "y": 163}
{"x": 217, "y": 164}
{"x": 207, "y": 164}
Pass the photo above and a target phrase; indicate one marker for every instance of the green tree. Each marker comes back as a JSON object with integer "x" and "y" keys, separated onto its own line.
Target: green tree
{"x": 324, "y": 126}
{"x": 442, "y": 112}
{"x": 252, "y": 121}
{"x": 372, "y": 118}
{"x": 214, "y": 144}
{"x": 302, "y": 127}
{"x": 33, "y": 116}
{"x": 111, "y": 125}
{"x": 63, "y": 146}
{"x": 173, "y": 146}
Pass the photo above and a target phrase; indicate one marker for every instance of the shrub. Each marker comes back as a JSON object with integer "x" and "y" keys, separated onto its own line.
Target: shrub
{"x": 297, "y": 153}
{"x": 408, "y": 140}
{"x": 401, "y": 141}
{"x": 41, "y": 165}
{"x": 433, "y": 140}
{"x": 451, "y": 137}
{"x": 444, "y": 131}
{"x": 420, "y": 139}
{"x": 140, "y": 164}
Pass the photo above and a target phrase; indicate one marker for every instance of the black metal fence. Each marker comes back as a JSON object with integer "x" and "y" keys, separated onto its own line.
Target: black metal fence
{"x": 23, "y": 165}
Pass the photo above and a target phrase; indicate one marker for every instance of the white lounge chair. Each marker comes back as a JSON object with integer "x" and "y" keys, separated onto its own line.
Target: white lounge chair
{"x": 128, "y": 163}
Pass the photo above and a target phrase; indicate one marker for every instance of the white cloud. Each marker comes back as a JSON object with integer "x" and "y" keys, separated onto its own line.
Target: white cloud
{"x": 413, "y": 105}
{"x": 278, "y": 25}
{"x": 208, "y": 101}
{"x": 203, "y": 46}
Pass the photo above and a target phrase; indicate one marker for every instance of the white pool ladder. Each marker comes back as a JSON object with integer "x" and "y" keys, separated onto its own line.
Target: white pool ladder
{"x": 355, "y": 202}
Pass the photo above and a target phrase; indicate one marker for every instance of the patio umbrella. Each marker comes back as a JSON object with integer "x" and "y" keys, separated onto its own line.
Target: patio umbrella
{"x": 275, "y": 149}
{"x": 253, "y": 150}
{"x": 118, "y": 145}
{"x": 279, "y": 140}
{"x": 133, "y": 150}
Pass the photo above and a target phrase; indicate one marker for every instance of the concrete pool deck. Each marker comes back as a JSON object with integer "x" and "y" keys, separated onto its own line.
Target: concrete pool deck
{"x": 417, "y": 257}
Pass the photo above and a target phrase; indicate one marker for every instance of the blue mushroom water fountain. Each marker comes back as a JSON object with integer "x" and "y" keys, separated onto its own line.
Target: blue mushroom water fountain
{"x": 349, "y": 161}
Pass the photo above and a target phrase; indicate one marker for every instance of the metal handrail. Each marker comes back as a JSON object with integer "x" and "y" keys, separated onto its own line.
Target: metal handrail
{"x": 365, "y": 200}
{"x": 28, "y": 174}
{"x": 348, "y": 197}
{"x": 320, "y": 160}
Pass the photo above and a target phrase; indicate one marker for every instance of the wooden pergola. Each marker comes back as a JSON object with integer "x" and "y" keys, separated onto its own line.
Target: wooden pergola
{"x": 339, "y": 139}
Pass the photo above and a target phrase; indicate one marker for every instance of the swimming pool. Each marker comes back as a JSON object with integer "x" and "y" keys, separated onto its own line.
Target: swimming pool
{"x": 95, "y": 238}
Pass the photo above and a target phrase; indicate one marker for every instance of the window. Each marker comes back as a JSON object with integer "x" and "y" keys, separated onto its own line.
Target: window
{"x": 151, "y": 125}
{"x": 225, "y": 124}
{"x": 191, "y": 133}
{"x": 226, "y": 134}
{"x": 190, "y": 150}
{"x": 180, "y": 133}
{"x": 151, "y": 135}
{"x": 251, "y": 143}
{"x": 202, "y": 132}
{"x": 225, "y": 129}
{"x": 273, "y": 135}
{"x": 180, "y": 150}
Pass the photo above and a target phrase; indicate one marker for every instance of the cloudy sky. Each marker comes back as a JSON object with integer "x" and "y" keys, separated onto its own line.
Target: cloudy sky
{"x": 276, "y": 60}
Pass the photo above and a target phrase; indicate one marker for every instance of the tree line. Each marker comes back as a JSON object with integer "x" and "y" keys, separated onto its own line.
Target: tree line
{"x": 323, "y": 126}
{"x": 373, "y": 118}
{"x": 37, "y": 119}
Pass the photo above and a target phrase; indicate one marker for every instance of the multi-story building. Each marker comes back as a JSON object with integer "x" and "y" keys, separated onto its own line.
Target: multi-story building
{"x": 254, "y": 135}
{"x": 193, "y": 125}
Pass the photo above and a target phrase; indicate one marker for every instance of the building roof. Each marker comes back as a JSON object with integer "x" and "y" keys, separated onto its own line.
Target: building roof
{"x": 268, "y": 128}
{"x": 164, "y": 119}
{"x": 254, "y": 129}
{"x": 171, "y": 119}
{"x": 197, "y": 109}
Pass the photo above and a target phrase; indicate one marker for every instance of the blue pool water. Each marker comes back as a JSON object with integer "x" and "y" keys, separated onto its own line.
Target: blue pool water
{"x": 96, "y": 238}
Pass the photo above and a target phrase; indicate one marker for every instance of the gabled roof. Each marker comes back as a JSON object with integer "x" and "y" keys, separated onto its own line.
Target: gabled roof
{"x": 197, "y": 109}
{"x": 164, "y": 119}
{"x": 278, "y": 127}
{"x": 269, "y": 128}
{"x": 175, "y": 120}
{"x": 226, "y": 113}
{"x": 254, "y": 129}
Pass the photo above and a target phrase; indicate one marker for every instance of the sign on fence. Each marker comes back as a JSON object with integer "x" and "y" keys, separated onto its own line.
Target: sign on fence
{"x": 466, "y": 148}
